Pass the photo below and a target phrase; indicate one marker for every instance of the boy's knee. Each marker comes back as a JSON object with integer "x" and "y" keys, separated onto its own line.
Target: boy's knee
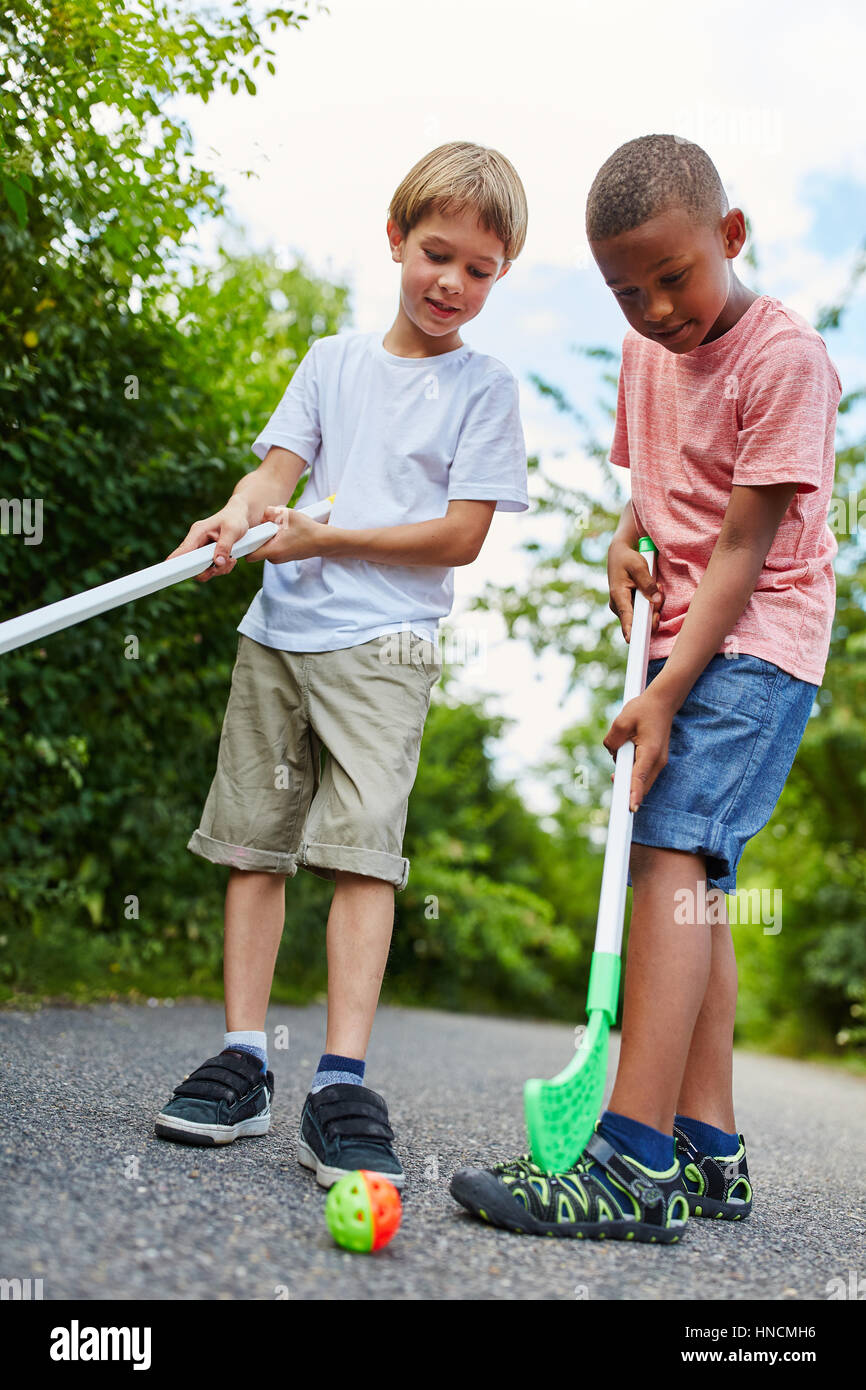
{"x": 249, "y": 875}
{"x": 641, "y": 860}
{"x": 352, "y": 879}
{"x": 650, "y": 859}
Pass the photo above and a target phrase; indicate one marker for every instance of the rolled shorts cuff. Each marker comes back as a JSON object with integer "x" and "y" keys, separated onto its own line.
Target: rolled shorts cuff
{"x": 243, "y": 856}
{"x": 326, "y": 859}
{"x": 677, "y": 829}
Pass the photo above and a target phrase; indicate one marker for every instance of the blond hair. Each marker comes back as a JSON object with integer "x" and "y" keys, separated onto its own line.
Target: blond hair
{"x": 460, "y": 176}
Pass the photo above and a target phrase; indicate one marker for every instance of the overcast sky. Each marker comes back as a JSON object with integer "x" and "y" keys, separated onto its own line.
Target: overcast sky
{"x": 773, "y": 91}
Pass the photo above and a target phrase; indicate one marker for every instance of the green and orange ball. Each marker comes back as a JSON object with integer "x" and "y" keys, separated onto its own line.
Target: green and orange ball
{"x": 363, "y": 1211}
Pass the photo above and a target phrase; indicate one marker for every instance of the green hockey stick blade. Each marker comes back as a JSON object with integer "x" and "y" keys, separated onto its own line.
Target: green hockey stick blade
{"x": 561, "y": 1113}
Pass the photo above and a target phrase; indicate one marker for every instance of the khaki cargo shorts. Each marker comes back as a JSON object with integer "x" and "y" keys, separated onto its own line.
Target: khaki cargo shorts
{"x": 317, "y": 757}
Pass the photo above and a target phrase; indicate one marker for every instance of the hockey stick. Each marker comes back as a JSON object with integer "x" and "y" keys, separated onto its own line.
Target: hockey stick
{"x": 561, "y": 1113}
{"x": 17, "y": 632}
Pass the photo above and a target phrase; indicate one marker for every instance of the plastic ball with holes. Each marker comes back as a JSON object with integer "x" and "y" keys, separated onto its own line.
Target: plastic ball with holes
{"x": 363, "y": 1211}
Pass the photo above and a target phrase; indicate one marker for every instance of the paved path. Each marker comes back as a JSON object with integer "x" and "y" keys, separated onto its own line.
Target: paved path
{"x": 97, "y": 1207}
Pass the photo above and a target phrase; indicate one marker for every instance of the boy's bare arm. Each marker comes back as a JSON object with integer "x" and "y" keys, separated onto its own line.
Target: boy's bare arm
{"x": 452, "y": 539}
{"x": 626, "y": 531}
{"x": 272, "y": 482}
{"x": 751, "y": 521}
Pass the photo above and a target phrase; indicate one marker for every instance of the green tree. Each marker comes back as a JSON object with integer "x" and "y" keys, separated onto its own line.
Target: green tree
{"x": 129, "y": 394}
{"x": 484, "y": 921}
{"x": 108, "y": 730}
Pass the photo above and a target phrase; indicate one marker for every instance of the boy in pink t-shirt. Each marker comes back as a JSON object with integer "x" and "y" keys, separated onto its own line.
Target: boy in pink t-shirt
{"x": 725, "y": 418}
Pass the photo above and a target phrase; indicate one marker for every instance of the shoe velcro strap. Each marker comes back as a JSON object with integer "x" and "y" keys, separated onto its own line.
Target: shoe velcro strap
{"x": 349, "y": 1100}
{"x": 354, "y": 1119}
{"x": 208, "y": 1088}
{"x": 347, "y": 1090}
{"x": 220, "y": 1078}
{"x": 343, "y": 1109}
{"x": 643, "y": 1189}
{"x": 364, "y": 1129}
{"x": 243, "y": 1063}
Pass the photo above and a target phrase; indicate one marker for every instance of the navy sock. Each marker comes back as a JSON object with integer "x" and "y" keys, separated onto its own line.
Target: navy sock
{"x": 707, "y": 1139}
{"x": 632, "y": 1139}
{"x": 334, "y": 1070}
{"x": 649, "y": 1146}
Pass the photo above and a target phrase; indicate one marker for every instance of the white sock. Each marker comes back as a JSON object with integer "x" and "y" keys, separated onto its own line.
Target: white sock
{"x": 247, "y": 1040}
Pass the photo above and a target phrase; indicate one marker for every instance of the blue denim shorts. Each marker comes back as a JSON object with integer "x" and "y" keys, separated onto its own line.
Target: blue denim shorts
{"x": 733, "y": 742}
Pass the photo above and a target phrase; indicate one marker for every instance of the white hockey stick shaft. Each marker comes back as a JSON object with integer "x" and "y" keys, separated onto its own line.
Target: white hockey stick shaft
{"x": 611, "y": 907}
{"x": 17, "y": 632}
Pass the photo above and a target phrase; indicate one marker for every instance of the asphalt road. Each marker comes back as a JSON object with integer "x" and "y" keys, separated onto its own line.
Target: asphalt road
{"x": 97, "y": 1207}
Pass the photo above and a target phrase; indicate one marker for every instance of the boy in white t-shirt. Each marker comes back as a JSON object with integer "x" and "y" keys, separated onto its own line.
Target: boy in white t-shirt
{"x": 418, "y": 437}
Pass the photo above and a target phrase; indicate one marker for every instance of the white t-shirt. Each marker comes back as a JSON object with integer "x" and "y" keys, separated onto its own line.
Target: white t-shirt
{"x": 396, "y": 439}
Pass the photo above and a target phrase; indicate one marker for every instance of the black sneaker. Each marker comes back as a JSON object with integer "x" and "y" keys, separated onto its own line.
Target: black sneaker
{"x": 718, "y": 1187}
{"x": 344, "y": 1128}
{"x": 228, "y": 1097}
{"x": 519, "y": 1196}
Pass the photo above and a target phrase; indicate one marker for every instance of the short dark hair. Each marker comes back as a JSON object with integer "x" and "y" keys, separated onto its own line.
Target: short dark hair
{"x": 645, "y": 177}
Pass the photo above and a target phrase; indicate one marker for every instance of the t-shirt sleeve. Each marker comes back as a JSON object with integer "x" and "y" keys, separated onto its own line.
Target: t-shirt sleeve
{"x": 489, "y": 463}
{"x": 295, "y": 423}
{"x": 789, "y": 404}
{"x": 619, "y": 447}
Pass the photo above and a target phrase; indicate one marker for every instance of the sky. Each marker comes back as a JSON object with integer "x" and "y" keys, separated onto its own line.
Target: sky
{"x": 773, "y": 91}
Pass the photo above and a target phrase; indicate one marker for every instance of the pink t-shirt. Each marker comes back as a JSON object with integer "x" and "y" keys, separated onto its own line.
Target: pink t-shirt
{"x": 758, "y": 405}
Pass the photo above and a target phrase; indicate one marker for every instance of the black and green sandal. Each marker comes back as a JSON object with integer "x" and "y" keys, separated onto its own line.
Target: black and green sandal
{"x": 718, "y": 1187}
{"x": 521, "y": 1197}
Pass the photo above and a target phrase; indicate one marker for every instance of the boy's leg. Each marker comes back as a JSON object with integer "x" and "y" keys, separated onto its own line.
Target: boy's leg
{"x": 666, "y": 980}
{"x": 229, "y": 1096}
{"x": 706, "y": 1093}
{"x": 366, "y": 705}
{"x": 255, "y": 911}
{"x": 360, "y": 924}
{"x": 248, "y": 812}
{"x": 711, "y": 1152}
{"x": 344, "y": 1125}
{"x": 627, "y": 1183}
